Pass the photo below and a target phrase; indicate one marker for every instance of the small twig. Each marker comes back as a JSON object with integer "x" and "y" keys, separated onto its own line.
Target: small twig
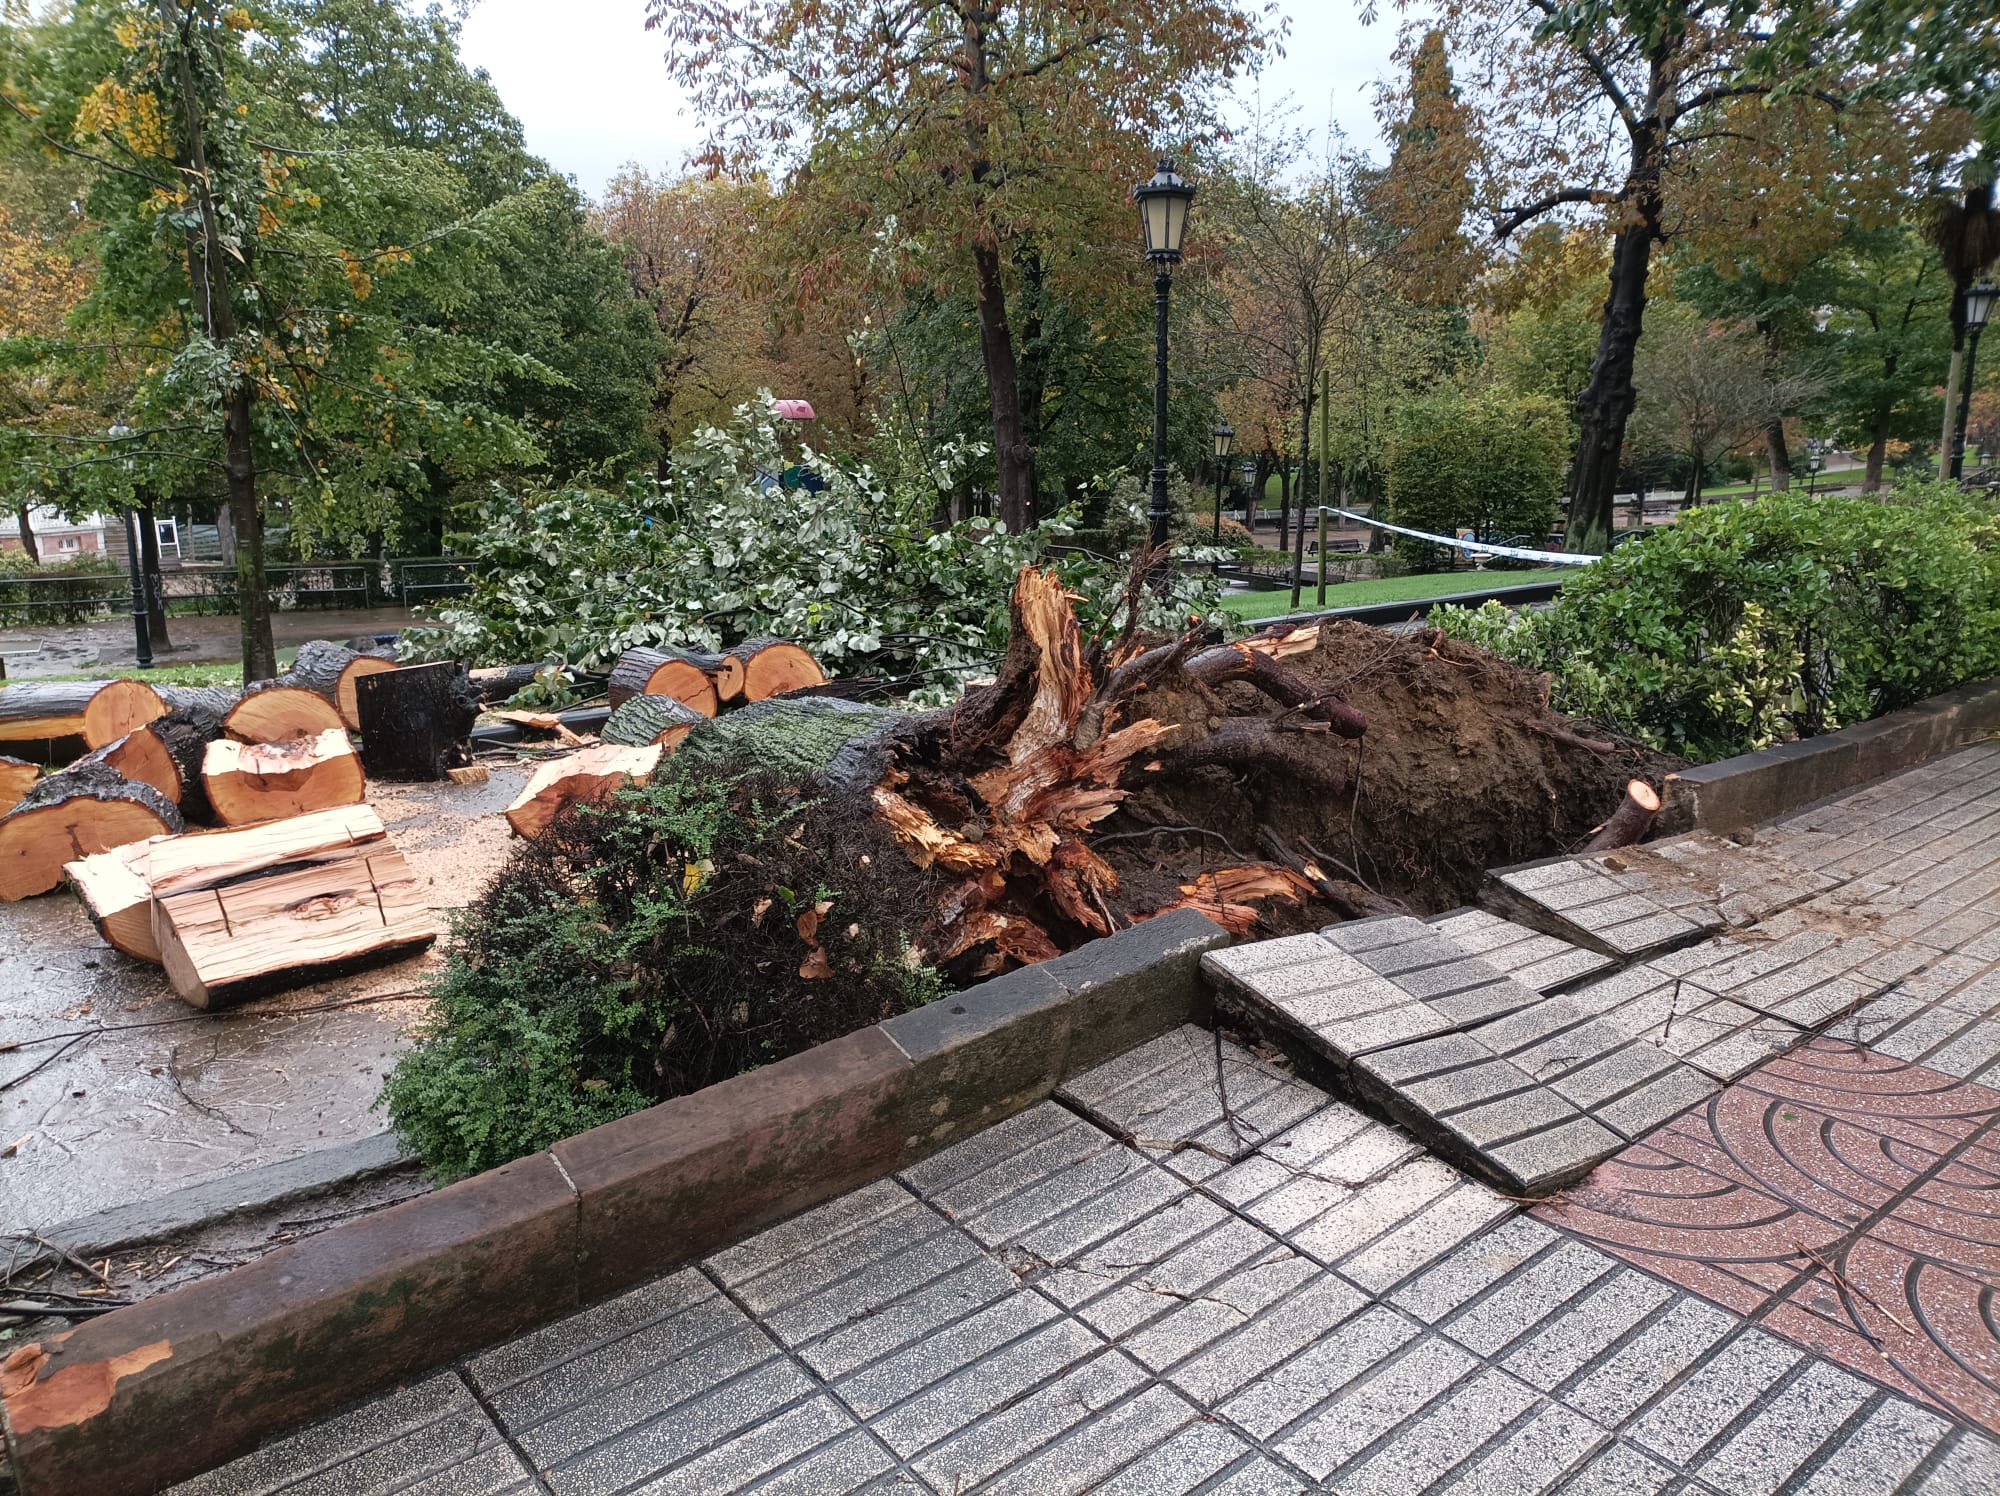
{"x": 1856, "y": 1290}
{"x": 48, "y": 1059}
{"x": 61, "y": 1251}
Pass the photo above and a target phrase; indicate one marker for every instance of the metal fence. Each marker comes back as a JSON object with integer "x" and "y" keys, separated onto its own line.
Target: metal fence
{"x": 211, "y": 589}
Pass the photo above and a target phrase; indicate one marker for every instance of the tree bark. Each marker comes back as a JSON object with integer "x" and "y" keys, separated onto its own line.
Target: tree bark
{"x": 1781, "y": 456}
{"x": 27, "y": 534}
{"x": 1605, "y": 406}
{"x": 149, "y": 564}
{"x": 1878, "y": 451}
{"x": 1015, "y": 458}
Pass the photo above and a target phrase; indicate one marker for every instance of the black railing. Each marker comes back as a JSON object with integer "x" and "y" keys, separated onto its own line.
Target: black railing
{"x": 209, "y": 589}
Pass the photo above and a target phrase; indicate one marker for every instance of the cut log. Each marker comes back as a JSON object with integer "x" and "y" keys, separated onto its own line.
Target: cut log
{"x": 771, "y": 667}
{"x": 585, "y": 776}
{"x": 122, "y": 707}
{"x": 1631, "y": 821}
{"x": 171, "y": 748}
{"x": 117, "y": 893}
{"x": 67, "y": 816}
{"x": 290, "y": 925}
{"x": 17, "y": 777}
{"x": 273, "y": 711}
{"x": 651, "y": 719}
{"x": 660, "y": 672}
{"x": 32, "y": 710}
{"x": 181, "y": 864}
{"x": 331, "y": 670}
{"x": 269, "y": 781}
{"x": 416, "y": 722}
{"x": 498, "y": 682}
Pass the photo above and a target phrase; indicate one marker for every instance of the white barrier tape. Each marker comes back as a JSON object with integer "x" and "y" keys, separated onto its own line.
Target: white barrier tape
{"x": 1514, "y": 552}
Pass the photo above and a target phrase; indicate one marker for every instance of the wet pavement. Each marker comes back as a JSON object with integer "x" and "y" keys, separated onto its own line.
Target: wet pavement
{"x": 1194, "y": 1271}
{"x": 116, "y": 1090}
{"x": 65, "y": 649}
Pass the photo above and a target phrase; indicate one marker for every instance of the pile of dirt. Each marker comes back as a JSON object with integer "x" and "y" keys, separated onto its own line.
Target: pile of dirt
{"x": 1463, "y": 767}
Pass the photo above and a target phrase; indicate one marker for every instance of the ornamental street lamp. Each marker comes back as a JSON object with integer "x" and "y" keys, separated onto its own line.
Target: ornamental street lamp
{"x": 140, "y": 631}
{"x": 1979, "y": 299}
{"x": 1225, "y": 438}
{"x": 1163, "y": 214}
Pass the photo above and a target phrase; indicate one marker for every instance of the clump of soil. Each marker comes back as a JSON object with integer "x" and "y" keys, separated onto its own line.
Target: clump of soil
{"x": 1463, "y": 767}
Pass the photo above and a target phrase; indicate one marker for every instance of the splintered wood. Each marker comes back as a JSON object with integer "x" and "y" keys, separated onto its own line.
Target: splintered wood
{"x": 267, "y": 781}
{"x": 585, "y": 776}
{"x": 293, "y": 924}
{"x": 119, "y": 897}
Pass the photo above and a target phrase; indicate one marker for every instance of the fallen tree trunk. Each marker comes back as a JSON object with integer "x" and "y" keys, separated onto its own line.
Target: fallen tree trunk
{"x": 276, "y": 711}
{"x": 1631, "y": 821}
{"x": 249, "y": 782}
{"x": 121, "y": 707}
{"x": 167, "y": 753}
{"x": 331, "y": 670}
{"x": 32, "y": 710}
{"x": 651, "y": 719}
{"x": 17, "y": 777}
{"x": 291, "y": 924}
{"x": 416, "y": 722}
{"x": 587, "y": 775}
{"x": 69, "y": 815}
{"x": 497, "y": 682}
{"x": 663, "y": 672}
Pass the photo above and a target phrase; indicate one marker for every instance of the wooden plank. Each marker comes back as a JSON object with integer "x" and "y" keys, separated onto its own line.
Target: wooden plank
{"x": 183, "y": 863}
{"x": 291, "y": 926}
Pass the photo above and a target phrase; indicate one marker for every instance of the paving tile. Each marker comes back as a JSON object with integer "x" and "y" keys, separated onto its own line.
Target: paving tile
{"x": 1528, "y": 1297}
{"x": 1421, "y": 1455}
{"x": 1365, "y": 1410}
{"x": 1542, "y": 962}
{"x": 1310, "y": 1169}
{"x": 1965, "y": 1470}
{"x": 1326, "y": 994}
{"x": 1618, "y": 1386}
{"x": 1672, "y": 1012}
{"x": 1012, "y": 1433}
{"x": 1727, "y": 1384}
{"x": 816, "y": 1434}
{"x": 1192, "y": 1100}
{"x": 1106, "y": 1444}
{"x": 1623, "y": 1083}
{"x": 1538, "y": 1455}
{"x": 1383, "y": 1211}
{"x": 1614, "y": 905}
{"x": 1622, "y": 1471}
{"x": 433, "y": 1428}
{"x": 1786, "y": 1433}
{"x": 1881, "y": 1453}
{"x": 931, "y": 1392}
{"x": 1472, "y": 1269}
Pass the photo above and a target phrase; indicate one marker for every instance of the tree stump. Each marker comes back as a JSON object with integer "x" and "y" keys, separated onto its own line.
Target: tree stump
{"x": 416, "y": 722}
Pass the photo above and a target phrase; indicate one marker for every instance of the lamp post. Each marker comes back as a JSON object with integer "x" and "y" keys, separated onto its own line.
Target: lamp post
{"x": 1225, "y": 438}
{"x": 140, "y": 632}
{"x": 1163, "y": 214}
{"x": 1979, "y": 299}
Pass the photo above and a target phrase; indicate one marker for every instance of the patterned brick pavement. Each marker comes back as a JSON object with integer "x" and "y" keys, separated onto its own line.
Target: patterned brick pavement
{"x": 1195, "y": 1272}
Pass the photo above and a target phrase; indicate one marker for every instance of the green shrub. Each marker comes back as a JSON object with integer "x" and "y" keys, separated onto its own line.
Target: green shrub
{"x": 1488, "y": 463}
{"x": 589, "y": 980}
{"x": 1751, "y": 622}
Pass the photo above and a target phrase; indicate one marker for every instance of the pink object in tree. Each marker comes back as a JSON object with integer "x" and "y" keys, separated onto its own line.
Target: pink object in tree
{"x": 796, "y": 410}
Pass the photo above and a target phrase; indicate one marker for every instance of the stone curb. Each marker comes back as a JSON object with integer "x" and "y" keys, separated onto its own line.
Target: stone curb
{"x": 1777, "y": 781}
{"x": 181, "y": 1382}
{"x": 200, "y": 1205}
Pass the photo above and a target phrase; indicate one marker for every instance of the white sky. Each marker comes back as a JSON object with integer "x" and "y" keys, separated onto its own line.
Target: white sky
{"x": 587, "y": 81}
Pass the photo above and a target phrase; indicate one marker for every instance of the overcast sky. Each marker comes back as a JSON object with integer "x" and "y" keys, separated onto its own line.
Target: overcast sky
{"x": 586, "y": 79}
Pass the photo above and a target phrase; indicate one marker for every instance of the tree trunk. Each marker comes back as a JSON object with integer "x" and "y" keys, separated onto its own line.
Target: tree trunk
{"x": 1016, "y": 459}
{"x": 1284, "y": 496}
{"x": 1606, "y": 403}
{"x": 1878, "y": 450}
{"x": 27, "y": 534}
{"x": 156, "y": 598}
{"x": 86, "y": 808}
{"x": 1781, "y": 456}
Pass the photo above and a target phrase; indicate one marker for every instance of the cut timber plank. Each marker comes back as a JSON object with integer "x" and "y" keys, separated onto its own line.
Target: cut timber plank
{"x": 270, "y": 781}
{"x": 273, "y": 711}
{"x": 87, "y": 808}
{"x": 290, "y": 926}
{"x": 17, "y": 777}
{"x": 182, "y": 863}
{"x": 662, "y": 672}
{"x": 588, "y": 775}
{"x": 115, "y": 889}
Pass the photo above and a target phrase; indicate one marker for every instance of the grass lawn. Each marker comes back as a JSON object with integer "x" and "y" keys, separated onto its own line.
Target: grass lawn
{"x": 1249, "y": 605}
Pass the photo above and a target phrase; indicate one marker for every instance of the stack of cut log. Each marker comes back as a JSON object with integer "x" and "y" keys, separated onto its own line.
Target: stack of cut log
{"x": 237, "y": 913}
{"x": 659, "y": 696}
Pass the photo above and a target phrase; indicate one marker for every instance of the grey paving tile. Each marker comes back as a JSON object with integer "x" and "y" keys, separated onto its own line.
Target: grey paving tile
{"x": 501, "y": 1367}
{"x": 1472, "y": 1269}
{"x": 1421, "y": 1455}
{"x": 1327, "y": 994}
{"x": 1542, "y": 962}
{"x": 1622, "y": 1471}
{"x": 1101, "y": 1447}
{"x": 1259, "y": 1477}
{"x": 1538, "y": 1455}
{"x": 1722, "y": 1039}
{"x": 1287, "y": 1392}
{"x": 1623, "y": 907}
{"x": 1529, "y": 1296}
{"x": 1684, "y": 1422}
{"x": 1377, "y": 1210}
{"x": 944, "y": 1354}
{"x": 810, "y": 1433}
{"x": 1966, "y": 1469}
{"x": 803, "y": 1234}
{"x": 433, "y": 1428}
{"x": 1459, "y": 1214}
{"x": 1010, "y": 1434}
{"x": 1787, "y": 1432}
{"x": 850, "y": 1462}
{"x": 1191, "y": 1091}
{"x": 1312, "y": 1168}
{"x": 1294, "y": 1317}
{"x": 1193, "y": 1330}
{"x": 1568, "y": 1341}
{"x": 1618, "y": 1386}
{"x": 1187, "y": 1461}
{"x": 938, "y": 1397}
{"x": 1881, "y": 1454}
{"x": 891, "y": 1317}
{"x": 1364, "y": 1411}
